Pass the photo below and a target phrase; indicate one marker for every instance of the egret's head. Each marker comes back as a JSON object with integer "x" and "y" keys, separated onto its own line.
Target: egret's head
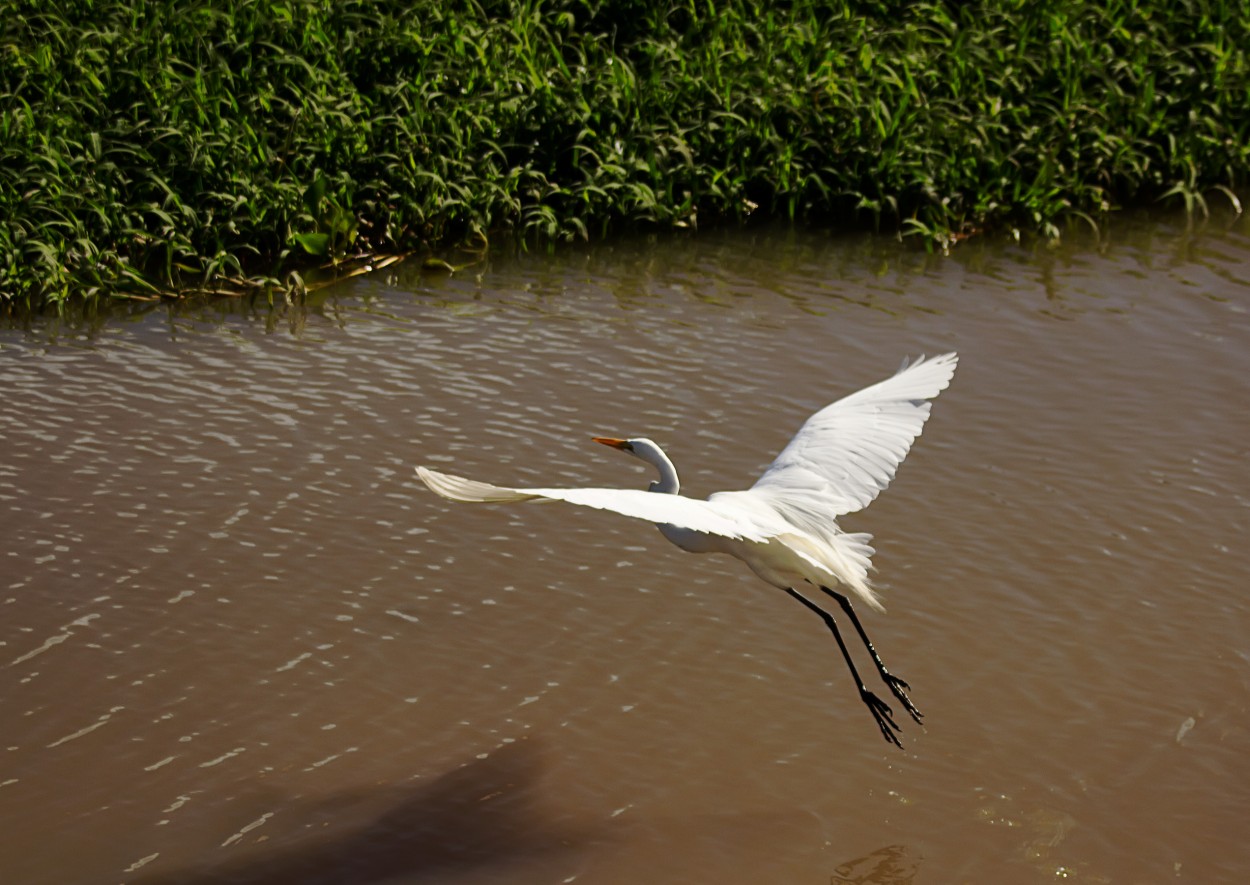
{"x": 639, "y": 448}
{"x": 646, "y": 450}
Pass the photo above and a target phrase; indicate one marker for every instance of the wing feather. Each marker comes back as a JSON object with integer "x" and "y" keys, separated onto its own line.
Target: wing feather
{"x": 848, "y": 452}
{"x": 700, "y": 516}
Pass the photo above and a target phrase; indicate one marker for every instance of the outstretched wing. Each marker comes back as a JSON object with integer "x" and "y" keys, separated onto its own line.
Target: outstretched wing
{"x": 847, "y": 453}
{"x": 699, "y": 516}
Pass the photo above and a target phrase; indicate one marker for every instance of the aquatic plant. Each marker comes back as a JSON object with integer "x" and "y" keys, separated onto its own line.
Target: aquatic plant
{"x": 149, "y": 145}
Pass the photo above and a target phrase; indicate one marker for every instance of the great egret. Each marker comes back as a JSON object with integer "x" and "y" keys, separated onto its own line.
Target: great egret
{"x": 783, "y": 527}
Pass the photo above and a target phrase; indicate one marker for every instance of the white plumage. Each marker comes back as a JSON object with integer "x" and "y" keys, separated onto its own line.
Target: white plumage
{"x": 784, "y": 527}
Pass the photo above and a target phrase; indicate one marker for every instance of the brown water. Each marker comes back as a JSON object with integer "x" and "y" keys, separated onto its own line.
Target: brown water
{"x": 239, "y": 643}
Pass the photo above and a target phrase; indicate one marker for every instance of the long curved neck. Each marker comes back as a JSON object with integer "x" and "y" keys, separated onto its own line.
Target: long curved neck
{"x": 668, "y": 483}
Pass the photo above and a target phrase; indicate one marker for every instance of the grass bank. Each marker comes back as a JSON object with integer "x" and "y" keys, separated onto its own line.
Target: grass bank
{"x": 147, "y": 145}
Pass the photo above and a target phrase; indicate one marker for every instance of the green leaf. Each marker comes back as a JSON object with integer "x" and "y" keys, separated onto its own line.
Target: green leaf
{"x": 314, "y": 244}
{"x": 314, "y": 195}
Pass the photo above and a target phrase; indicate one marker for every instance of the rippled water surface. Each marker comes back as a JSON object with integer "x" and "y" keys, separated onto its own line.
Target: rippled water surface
{"x": 240, "y": 643}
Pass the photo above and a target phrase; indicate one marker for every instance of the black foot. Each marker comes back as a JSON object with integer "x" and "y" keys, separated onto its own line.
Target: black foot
{"x": 884, "y": 716}
{"x": 900, "y": 689}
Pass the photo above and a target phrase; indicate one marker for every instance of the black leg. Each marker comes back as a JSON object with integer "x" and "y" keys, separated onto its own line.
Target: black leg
{"x": 898, "y": 686}
{"x": 880, "y": 709}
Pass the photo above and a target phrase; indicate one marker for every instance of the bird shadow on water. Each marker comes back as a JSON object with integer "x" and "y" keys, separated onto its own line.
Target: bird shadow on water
{"x": 482, "y": 814}
{"x": 488, "y": 821}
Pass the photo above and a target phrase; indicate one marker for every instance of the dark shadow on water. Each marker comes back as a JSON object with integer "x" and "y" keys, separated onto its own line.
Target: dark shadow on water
{"x": 885, "y": 866}
{"x": 490, "y": 821}
{"x": 480, "y": 815}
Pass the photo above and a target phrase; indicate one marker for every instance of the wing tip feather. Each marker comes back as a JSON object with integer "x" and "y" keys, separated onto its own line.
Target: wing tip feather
{"x": 468, "y": 491}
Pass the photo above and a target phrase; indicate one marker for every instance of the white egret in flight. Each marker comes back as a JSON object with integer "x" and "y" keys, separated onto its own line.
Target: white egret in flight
{"x": 783, "y": 527}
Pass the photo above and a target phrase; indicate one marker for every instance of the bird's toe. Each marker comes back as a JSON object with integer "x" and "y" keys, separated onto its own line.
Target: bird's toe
{"x": 884, "y": 715}
{"x": 900, "y": 688}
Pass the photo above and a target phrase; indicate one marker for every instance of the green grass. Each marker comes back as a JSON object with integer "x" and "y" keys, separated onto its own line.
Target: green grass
{"x": 153, "y": 146}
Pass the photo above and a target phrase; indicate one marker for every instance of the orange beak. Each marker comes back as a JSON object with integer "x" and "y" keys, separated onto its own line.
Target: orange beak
{"x": 612, "y": 441}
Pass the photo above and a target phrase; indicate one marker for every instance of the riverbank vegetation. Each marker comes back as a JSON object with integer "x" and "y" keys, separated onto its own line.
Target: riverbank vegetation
{"x": 148, "y": 146}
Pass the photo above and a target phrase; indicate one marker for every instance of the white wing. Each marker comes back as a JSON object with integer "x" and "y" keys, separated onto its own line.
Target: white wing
{"x": 847, "y": 453}
{"x": 701, "y": 516}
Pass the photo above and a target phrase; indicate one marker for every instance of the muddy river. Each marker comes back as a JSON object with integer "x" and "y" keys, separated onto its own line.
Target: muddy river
{"x": 239, "y": 642}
